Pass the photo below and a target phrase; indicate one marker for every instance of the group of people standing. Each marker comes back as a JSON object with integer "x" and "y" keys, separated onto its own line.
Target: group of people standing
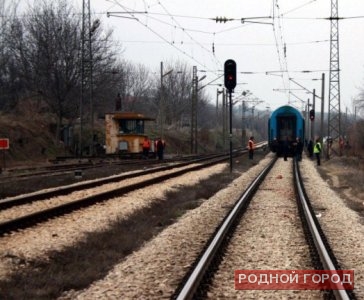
{"x": 313, "y": 150}
{"x": 296, "y": 148}
{"x": 159, "y": 146}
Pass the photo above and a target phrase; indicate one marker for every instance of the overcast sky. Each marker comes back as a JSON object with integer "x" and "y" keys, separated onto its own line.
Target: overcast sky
{"x": 297, "y": 39}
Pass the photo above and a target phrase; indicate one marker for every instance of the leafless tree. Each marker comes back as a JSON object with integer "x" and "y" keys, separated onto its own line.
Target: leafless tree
{"x": 9, "y": 83}
{"x": 46, "y": 47}
{"x": 358, "y": 102}
{"x": 138, "y": 86}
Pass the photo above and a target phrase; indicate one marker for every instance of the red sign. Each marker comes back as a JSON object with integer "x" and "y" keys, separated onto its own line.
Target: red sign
{"x": 294, "y": 279}
{"x": 4, "y": 143}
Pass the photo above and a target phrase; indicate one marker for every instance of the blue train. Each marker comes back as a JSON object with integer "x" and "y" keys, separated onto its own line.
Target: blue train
{"x": 285, "y": 124}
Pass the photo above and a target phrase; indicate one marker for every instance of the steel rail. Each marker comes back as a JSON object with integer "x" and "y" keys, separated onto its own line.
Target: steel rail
{"x": 313, "y": 226}
{"x": 31, "y": 219}
{"x": 63, "y": 190}
{"x": 190, "y": 287}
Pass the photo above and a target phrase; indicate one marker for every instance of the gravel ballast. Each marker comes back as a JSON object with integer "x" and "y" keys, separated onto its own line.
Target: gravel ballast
{"x": 269, "y": 237}
{"x": 343, "y": 227}
{"x": 155, "y": 270}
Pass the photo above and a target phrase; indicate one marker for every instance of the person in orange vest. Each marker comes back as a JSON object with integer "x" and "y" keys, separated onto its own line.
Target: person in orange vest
{"x": 146, "y": 147}
{"x": 251, "y": 147}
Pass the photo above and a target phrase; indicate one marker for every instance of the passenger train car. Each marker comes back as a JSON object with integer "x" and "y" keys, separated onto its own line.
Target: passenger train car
{"x": 125, "y": 132}
{"x": 285, "y": 124}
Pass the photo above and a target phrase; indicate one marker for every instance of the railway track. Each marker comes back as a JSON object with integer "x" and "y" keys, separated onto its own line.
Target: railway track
{"x": 26, "y": 210}
{"x": 58, "y": 170}
{"x": 231, "y": 245}
{"x": 28, "y": 180}
{"x": 156, "y": 269}
{"x": 59, "y": 167}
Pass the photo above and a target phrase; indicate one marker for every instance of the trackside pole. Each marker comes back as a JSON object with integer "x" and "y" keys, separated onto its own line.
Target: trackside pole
{"x": 231, "y": 132}
{"x": 230, "y": 84}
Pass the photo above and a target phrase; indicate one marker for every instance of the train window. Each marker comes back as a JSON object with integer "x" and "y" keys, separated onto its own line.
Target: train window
{"x": 131, "y": 126}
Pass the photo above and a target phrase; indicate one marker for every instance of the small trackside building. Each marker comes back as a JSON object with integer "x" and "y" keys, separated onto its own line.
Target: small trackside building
{"x": 125, "y": 132}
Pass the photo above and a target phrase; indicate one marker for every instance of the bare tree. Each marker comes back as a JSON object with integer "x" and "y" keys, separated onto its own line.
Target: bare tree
{"x": 358, "y": 102}
{"x": 9, "y": 83}
{"x": 46, "y": 47}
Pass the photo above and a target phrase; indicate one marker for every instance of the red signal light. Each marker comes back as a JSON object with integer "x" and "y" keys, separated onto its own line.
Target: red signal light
{"x": 312, "y": 114}
{"x": 230, "y": 74}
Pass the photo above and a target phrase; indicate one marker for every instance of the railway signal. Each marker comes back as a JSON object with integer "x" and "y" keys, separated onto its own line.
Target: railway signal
{"x": 230, "y": 75}
{"x": 230, "y": 84}
{"x": 312, "y": 114}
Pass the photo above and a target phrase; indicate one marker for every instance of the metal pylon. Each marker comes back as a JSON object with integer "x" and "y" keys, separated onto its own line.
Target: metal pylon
{"x": 334, "y": 117}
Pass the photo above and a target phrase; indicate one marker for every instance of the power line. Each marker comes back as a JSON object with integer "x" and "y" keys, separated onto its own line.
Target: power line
{"x": 192, "y": 38}
{"x": 230, "y": 44}
{"x": 282, "y": 57}
{"x": 131, "y": 13}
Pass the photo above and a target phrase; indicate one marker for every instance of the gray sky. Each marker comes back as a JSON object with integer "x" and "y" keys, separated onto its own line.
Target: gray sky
{"x": 298, "y": 41}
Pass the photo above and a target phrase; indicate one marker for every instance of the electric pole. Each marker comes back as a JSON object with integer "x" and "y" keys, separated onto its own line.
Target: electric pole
{"x": 86, "y": 71}
{"x": 334, "y": 116}
{"x": 194, "y": 111}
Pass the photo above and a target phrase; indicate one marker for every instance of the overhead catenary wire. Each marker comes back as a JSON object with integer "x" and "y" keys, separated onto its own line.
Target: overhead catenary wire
{"x": 131, "y": 13}
{"x": 277, "y": 30}
{"x": 190, "y": 36}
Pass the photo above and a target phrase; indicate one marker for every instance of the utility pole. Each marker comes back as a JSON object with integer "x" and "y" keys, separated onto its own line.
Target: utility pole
{"x": 194, "y": 111}
{"x": 308, "y": 132}
{"x": 87, "y": 72}
{"x": 224, "y": 118}
{"x": 243, "y": 121}
{"x": 313, "y": 121}
{"x": 334, "y": 113}
{"x": 162, "y": 106}
{"x": 322, "y": 107}
{"x": 162, "y": 103}
{"x": 218, "y": 115}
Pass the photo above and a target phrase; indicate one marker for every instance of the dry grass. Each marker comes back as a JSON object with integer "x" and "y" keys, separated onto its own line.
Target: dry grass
{"x": 345, "y": 175}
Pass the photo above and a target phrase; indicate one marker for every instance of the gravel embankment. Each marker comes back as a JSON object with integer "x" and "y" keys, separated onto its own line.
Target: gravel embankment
{"x": 343, "y": 227}
{"x": 55, "y": 235}
{"x": 155, "y": 271}
{"x": 35, "y": 206}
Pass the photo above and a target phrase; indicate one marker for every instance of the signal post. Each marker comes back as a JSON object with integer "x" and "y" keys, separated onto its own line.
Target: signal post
{"x": 230, "y": 84}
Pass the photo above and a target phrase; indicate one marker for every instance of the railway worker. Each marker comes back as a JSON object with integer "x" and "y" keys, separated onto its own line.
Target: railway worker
{"x": 146, "y": 147}
{"x": 317, "y": 151}
{"x": 251, "y": 147}
{"x": 275, "y": 145}
{"x": 285, "y": 148}
{"x": 160, "y": 145}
